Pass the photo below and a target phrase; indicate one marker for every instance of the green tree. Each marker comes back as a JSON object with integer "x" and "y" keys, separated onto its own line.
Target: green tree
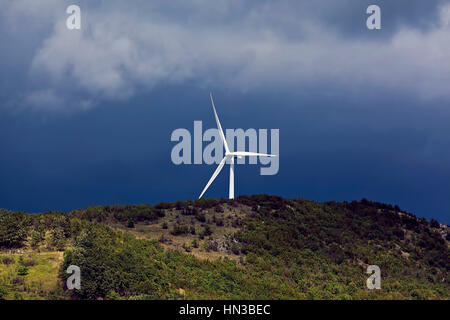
{"x": 13, "y": 228}
{"x": 57, "y": 239}
{"x": 37, "y": 236}
{"x": 22, "y": 271}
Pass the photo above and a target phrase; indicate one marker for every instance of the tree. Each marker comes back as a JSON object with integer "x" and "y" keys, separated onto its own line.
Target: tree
{"x": 57, "y": 239}
{"x": 37, "y": 236}
{"x": 434, "y": 223}
{"x": 130, "y": 224}
{"x": 13, "y": 228}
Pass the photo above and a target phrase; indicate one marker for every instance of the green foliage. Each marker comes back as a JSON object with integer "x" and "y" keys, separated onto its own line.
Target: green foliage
{"x": 57, "y": 239}
{"x": 37, "y": 236}
{"x": 3, "y": 292}
{"x": 22, "y": 270}
{"x": 235, "y": 248}
{"x": 13, "y": 228}
{"x": 27, "y": 262}
{"x": 127, "y": 215}
{"x": 18, "y": 296}
{"x": 206, "y": 232}
{"x": 180, "y": 230}
{"x": 116, "y": 262}
{"x": 287, "y": 249}
{"x": 340, "y": 240}
{"x": 130, "y": 223}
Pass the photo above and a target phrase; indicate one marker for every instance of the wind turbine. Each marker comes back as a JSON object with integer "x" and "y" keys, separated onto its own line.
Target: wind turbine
{"x": 229, "y": 155}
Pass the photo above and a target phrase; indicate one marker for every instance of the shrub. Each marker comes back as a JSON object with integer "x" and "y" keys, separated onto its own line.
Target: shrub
{"x": 22, "y": 271}
{"x": 200, "y": 217}
{"x": 189, "y": 211}
{"x": 28, "y": 262}
{"x": 206, "y": 232}
{"x": 17, "y": 281}
{"x": 235, "y": 249}
{"x": 434, "y": 224}
{"x": 179, "y": 230}
{"x": 18, "y": 296}
{"x": 8, "y": 260}
{"x": 3, "y": 292}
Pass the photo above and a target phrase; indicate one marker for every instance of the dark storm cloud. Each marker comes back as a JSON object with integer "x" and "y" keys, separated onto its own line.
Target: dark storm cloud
{"x": 125, "y": 48}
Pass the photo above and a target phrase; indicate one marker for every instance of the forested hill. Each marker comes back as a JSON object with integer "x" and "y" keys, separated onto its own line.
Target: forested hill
{"x": 253, "y": 247}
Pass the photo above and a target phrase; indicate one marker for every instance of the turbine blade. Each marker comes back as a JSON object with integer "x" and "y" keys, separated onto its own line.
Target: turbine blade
{"x": 251, "y": 154}
{"x": 219, "y": 167}
{"x": 222, "y": 136}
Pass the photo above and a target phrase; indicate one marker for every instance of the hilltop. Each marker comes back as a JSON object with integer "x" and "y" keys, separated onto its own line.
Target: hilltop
{"x": 253, "y": 247}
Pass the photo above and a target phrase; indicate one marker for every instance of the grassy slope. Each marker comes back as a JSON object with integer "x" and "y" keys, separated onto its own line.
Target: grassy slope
{"x": 42, "y": 280}
{"x": 155, "y": 231}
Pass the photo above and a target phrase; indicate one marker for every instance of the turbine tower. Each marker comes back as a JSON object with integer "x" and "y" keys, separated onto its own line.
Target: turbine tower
{"x": 229, "y": 155}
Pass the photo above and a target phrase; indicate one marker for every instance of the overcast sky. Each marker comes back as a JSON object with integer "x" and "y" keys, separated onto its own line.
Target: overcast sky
{"x": 86, "y": 115}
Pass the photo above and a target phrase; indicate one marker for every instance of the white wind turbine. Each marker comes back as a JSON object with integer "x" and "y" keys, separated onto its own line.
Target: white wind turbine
{"x": 229, "y": 155}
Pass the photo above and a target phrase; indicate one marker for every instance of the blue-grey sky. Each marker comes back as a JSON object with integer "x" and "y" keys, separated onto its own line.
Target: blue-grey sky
{"x": 86, "y": 115}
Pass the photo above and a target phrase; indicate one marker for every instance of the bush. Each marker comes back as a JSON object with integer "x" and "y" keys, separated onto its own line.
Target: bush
{"x": 235, "y": 249}
{"x": 211, "y": 245}
{"x": 28, "y": 262}
{"x": 189, "y": 211}
{"x": 3, "y": 292}
{"x": 18, "y": 296}
{"x": 179, "y": 230}
{"x": 22, "y": 271}
{"x": 200, "y": 217}
{"x": 206, "y": 232}
{"x": 112, "y": 295}
{"x": 8, "y": 260}
{"x": 434, "y": 224}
